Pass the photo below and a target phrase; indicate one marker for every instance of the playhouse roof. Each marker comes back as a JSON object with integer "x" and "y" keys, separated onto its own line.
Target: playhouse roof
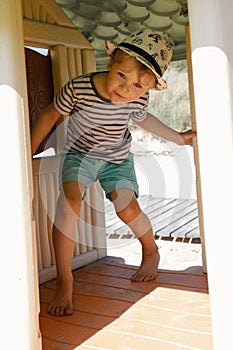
{"x": 114, "y": 19}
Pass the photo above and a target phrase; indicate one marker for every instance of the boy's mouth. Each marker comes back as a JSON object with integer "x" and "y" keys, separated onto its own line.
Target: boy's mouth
{"x": 119, "y": 95}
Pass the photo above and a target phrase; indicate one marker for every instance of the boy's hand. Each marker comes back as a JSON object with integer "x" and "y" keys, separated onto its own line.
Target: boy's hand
{"x": 187, "y": 137}
{"x": 43, "y": 125}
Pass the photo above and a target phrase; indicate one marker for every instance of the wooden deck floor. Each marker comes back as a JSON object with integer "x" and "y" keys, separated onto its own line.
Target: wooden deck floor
{"x": 111, "y": 312}
{"x": 171, "y": 219}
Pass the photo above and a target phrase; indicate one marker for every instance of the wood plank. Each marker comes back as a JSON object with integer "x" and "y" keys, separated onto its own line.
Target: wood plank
{"x": 147, "y": 200}
{"x": 111, "y": 312}
{"x": 178, "y": 209}
{"x": 36, "y": 218}
{"x": 98, "y": 220}
{"x": 114, "y": 293}
{"x": 71, "y": 63}
{"x": 156, "y": 208}
{"x": 48, "y": 344}
{"x": 60, "y": 78}
{"x": 161, "y": 207}
{"x": 88, "y": 60}
{"x": 113, "y": 281}
{"x": 172, "y": 224}
{"x": 46, "y": 165}
{"x": 50, "y": 35}
{"x": 143, "y": 200}
{"x": 177, "y": 222}
{"x": 160, "y": 327}
{"x": 130, "y": 325}
{"x": 168, "y": 278}
{"x": 48, "y": 274}
{"x": 195, "y": 146}
{"x": 27, "y": 8}
{"x": 64, "y": 332}
{"x": 35, "y": 10}
{"x": 113, "y": 341}
{"x": 193, "y": 321}
{"x": 49, "y": 19}
{"x": 170, "y": 217}
{"x": 80, "y": 318}
{"x": 42, "y": 228}
{"x": 53, "y": 10}
{"x": 186, "y": 228}
{"x": 42, "y": 14}
{"x": 194, "y": 233}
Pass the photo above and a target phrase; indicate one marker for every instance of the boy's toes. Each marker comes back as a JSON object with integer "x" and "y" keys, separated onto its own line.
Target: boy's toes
{"x": 148, "y": 268}
{"x": 137, "y": 277}
{"x": 68, "y": 310}
{"x": 60, "y": 310}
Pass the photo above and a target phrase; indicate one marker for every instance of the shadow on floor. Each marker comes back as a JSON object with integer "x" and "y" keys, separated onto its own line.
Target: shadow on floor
{"x": 103, "y": 295}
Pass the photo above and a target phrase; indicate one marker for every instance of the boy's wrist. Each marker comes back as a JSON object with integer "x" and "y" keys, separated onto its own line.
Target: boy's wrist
{"x": 187, "y": 137}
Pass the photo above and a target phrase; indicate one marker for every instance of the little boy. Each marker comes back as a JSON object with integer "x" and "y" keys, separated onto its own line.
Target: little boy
{"x": 100, "y": 106}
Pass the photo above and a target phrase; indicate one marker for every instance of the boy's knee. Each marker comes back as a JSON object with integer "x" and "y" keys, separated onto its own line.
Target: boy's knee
{"x": 123, "y": 199}
{"x": 130, "y": 212}
{"x": 136, "y": 220}
{"x": 71, "y": 198}
{"x": 68, "y": 206}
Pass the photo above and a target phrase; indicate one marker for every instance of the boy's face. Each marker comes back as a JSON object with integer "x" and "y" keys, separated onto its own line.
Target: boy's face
{"x": 127, "y": 79}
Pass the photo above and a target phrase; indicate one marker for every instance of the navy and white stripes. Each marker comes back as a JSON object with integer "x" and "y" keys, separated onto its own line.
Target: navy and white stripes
{"x": 97, "y": 127}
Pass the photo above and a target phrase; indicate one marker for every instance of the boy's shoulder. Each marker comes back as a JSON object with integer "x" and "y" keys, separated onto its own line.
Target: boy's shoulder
{"x": 83, "y": 82}
{"x": 87, "y": 77}
{"x": 84, "y": 77}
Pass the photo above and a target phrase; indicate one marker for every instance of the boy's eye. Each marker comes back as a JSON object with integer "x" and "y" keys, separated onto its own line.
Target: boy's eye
{"x": 122, "y": 75}
{"x": 138, "y": 86}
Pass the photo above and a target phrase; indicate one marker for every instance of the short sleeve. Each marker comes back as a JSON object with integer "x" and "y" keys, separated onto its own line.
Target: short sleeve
{"x": 66, "y": 99}
{"x": 139, "y": 108}
{"x": 139, "y": 115}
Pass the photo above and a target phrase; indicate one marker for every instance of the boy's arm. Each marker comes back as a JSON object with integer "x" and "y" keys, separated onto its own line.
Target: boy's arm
{"x": 43, "y": 125}
{"x": 155, "y": 126}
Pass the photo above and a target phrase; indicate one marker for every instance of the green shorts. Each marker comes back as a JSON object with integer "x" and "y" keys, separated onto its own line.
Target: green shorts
{"x": 76, "y": 167}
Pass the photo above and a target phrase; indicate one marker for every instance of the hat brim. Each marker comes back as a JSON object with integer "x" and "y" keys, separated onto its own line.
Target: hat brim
{"x": 161, "y": 83}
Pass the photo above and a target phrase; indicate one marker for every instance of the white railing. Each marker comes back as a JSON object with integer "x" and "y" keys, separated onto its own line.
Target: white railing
{"x": 91, "y": 236}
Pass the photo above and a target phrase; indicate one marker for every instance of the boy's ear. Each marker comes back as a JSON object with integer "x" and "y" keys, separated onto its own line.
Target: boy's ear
{"x": 110, "y": 47}
{"x": 155, "y": 84}
{"x": 109, "y": 63}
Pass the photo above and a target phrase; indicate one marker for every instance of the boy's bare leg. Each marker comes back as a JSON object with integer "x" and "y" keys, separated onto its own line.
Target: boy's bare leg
{"x": 62, "y": 302}
{"x": 64, "y": 229}
{"x": 150, "y": 259}
{"x": 129, "y": 211}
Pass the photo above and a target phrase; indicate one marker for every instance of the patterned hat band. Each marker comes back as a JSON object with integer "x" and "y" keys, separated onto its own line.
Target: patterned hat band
{"x": 143, "y": 54}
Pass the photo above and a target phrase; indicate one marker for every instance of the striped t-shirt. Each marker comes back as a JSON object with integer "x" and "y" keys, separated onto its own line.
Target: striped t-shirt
{"x": 97, "y": 127}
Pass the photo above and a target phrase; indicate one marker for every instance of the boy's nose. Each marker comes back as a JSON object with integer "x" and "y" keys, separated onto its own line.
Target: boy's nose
{"x": 125, "y": 86}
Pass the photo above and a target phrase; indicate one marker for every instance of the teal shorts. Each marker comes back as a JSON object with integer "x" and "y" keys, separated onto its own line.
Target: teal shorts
{"x": 76, "y": 167}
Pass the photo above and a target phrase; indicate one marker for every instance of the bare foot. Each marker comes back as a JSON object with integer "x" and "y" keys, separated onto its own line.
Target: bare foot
{"x": 62, "y": 302}
{"x": 148, "y": 269}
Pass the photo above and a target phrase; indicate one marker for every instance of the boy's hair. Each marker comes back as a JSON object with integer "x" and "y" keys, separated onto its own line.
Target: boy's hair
{"x": 118, "y": 56}
{"x": 150, "y": 48}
